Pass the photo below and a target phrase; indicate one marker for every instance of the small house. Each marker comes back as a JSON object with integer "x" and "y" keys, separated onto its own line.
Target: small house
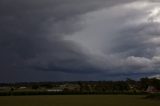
{"x": 152, "y": 89}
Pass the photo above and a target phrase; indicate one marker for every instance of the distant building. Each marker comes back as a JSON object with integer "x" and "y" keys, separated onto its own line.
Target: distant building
{"x": 54, "y": 90}
{"x": 152, "y": 89}
{"x": 22, "y": 87}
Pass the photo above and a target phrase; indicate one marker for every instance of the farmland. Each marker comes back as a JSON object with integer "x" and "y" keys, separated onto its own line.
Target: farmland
{"x": 78, "y": 100}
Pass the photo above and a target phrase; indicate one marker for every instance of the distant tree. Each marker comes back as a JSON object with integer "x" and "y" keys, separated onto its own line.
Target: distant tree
{"x": 48, "y": 86}
{"x": 11, "y": 89}
{"x": 120, "y": 86}
{"x": 130, "y": 81}
{"x": 35, "y": 87}
{"x": 144, "y": 83}
{"x": 155, "y": 82}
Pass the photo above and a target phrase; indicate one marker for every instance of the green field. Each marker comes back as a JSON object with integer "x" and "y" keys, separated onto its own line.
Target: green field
{"x": 77, "y": 100}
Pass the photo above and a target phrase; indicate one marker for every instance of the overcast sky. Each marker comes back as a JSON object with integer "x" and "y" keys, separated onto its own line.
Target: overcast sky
{"x": 57, "y": 40}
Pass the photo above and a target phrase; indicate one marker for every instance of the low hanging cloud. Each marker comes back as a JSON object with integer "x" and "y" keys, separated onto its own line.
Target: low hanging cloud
{"x": 75, "y": 40}
{"x": 123, "y": 38}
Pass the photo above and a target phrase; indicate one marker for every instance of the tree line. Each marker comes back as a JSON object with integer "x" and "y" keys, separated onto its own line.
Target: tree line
{"x": 129, "y": 86}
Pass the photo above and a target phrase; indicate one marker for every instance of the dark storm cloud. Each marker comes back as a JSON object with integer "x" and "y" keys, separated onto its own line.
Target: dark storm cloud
{"x": 32, "y": 30}
{"x": 31, "y": 35}
{"x": 34, "y": 40}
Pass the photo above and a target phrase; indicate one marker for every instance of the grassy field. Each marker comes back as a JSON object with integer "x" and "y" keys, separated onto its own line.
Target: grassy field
{"x": 77, "y": 100}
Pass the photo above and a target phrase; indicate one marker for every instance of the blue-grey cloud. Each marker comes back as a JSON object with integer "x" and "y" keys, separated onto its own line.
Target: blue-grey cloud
{"x": 123, "y": 38}
{"x": 77, "y": 40}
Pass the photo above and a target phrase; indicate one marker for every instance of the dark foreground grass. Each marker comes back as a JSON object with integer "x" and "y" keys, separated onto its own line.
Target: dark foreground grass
{"x": 154, "y": 96}
{"x": 77, "y": 100}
